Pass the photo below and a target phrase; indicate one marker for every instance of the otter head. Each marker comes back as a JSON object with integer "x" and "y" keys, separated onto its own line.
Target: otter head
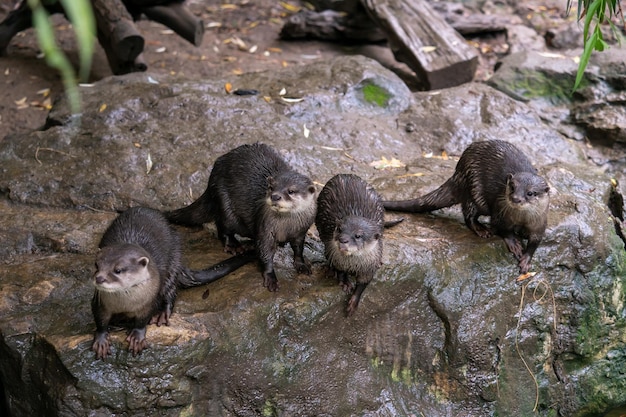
{"x": 526, "y": 189}
{"x": 290, "y": 192}
{"x": 121, "y": 267}
{"x": 356, "y": 236}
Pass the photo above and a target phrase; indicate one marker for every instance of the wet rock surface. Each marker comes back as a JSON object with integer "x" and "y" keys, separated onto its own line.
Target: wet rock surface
{"x": 444, "y": 329}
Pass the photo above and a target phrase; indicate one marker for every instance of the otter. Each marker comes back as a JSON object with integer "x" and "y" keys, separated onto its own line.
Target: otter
{"x": 138, "y": 271}
{"x": 350, "y": 222}
{"x": 254, "y": 193}
{"x": 493, "y": 178}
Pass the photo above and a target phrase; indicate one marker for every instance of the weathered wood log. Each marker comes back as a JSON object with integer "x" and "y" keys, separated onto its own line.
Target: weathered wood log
{"x": 117, "y": 34}
{"x": 176, "y": 17}
{"x": 470, "y": 24}
{"x": 331, "y": 25}
{"x": 116, "y": 31}
{"x": 420, "y": 37}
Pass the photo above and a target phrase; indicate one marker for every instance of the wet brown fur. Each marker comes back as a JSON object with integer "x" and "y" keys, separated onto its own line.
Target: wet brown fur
{"x": 493, "y": 178}
{"x": 138, "y": 270}
{"x": 254, "y": 193}
{"x": 350, "y": 221}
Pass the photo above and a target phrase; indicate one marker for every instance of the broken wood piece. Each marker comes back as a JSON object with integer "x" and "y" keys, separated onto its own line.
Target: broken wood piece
{"x": 176, "y": 17}
{"x": 331, "y": 25}
{"x": 117, "y": 34}
{"x": 421, "y": 38}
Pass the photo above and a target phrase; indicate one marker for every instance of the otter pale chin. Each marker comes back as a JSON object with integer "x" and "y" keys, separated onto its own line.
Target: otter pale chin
{"x": 493, "y": 178}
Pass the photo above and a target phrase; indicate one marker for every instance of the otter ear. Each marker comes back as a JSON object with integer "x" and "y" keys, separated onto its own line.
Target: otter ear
{"x": 270, "y": 182}
{"x": 312, "y": 189}
{"x": 509, "y": 177}
{"x": 143, "y": 261}
{"x": 377, "y": 236}
{"x": 547, "y": 189}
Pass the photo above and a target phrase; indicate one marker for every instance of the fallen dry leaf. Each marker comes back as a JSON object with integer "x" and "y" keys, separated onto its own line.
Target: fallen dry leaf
{"x": 228, "y": 87}
{"x": 102, "y": 108}
{"x": 148, "y": 164}
{"x": 291, "y": 7}
{"x": 306, "y": 131}
{"x": 384, "y": 163}
{"x": 525, "y": 276}
{"x": 292, "y": 99}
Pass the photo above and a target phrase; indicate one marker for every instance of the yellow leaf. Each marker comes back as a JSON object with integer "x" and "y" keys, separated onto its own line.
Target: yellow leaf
{"x": 102, "y": 108}
{"x": 228, "y": 6}
{"x": 428, "y": 49}
{"x": 291, "y": 7}
{"x": 228, "y": 87}
{"x": 268, "y": 99}
{"x": 384, "y": 163}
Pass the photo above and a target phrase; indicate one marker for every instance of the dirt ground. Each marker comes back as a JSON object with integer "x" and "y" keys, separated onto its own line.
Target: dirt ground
{"x": 241, "y": 36}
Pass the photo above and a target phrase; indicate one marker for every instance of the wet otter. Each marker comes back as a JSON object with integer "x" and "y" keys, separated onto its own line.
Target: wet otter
{"x": 493, "y": 178}
{"x": 254, "y": 193}
{"x": 138, "y": 270}
{"x": 350, "y": 221}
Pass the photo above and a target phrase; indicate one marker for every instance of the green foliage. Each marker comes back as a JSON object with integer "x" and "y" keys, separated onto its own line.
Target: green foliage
{"x": 79, "y": 12}
{"x": 595, "y": 13}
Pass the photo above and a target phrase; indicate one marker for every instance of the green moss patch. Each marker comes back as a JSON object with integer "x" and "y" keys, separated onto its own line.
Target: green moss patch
{"x": 375, "y": 94}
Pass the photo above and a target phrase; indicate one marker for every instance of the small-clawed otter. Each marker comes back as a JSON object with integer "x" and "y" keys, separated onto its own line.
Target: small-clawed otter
{"x": 493, "y": 178}
{"x": 254, "y": 193}
{"x": 138, "y": 270}
{"x": 350, "y": 221}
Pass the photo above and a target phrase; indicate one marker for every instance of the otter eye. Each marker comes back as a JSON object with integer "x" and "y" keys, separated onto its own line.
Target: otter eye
{"x": 291, "y": 191}
{"x": 358, "y": 236}
{"x": 530, "y": 193}
{"x": 118, "y": 271}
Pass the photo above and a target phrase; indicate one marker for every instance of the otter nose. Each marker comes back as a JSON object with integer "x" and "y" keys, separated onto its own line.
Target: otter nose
{"x": 100, "y": 279}
{"x": 276, "y": 197}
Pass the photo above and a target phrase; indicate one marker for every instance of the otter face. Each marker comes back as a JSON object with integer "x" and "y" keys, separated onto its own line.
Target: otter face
{"x": 525, "y": 188}
{"x": 290, "y": 193}
{"x": 356, "y": 236}
{"x": 121, "y": 267}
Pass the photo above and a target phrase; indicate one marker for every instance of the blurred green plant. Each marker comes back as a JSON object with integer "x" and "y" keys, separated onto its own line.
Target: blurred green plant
{"x": 80, "y": 14}
{"x": 594, "y": 13}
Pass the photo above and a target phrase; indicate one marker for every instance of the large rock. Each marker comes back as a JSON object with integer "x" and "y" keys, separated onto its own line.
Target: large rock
{"x": 444, "y": 329}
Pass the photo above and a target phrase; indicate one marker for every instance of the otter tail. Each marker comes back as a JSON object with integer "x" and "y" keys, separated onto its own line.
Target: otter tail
{"x": 444, "y": 196}
{"x": 195, "y": 214}
{"x": 213, "y": 273}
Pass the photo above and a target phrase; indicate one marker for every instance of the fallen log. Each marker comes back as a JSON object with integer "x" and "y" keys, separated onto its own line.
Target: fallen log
{"x": 420, "y": 37}
{"x": 115, "y": 28}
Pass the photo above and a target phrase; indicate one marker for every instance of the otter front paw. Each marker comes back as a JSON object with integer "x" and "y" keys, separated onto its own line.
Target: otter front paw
{"x": 524, "y": 263}
{"x": 270, "y": 281}
{"x": 101, "y": 345}
{"x": 515, "y": 247}
{"x": 162, "y": 318}
{"x": 137, "y": 341}
{"x": 303, "y": 267}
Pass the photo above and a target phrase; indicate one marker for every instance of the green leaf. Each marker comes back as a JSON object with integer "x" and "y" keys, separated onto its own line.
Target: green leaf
{"x": 584, "y": 58}
{"x": 80, "y": 13}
